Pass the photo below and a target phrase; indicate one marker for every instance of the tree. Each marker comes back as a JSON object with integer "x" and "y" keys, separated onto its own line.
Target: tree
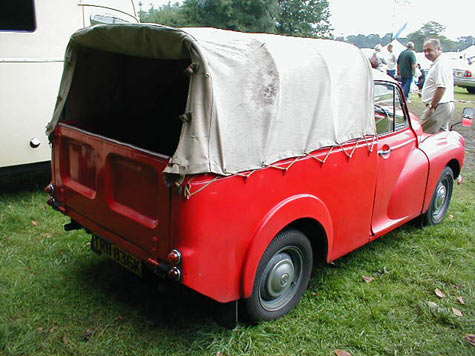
{"x": 465, "y": 42}
{"x": 242, "y": 15}
{"x": 293, "y": 17}
{"x": 431, "y": 29}
{"x": 169, "y": 14}
{"x": 308, "y": 18}
{"x": 369, "y": 41}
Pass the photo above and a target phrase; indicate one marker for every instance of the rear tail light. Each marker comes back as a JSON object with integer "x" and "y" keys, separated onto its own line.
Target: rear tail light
{"x": 467, "y": 74}
{"x": 174, "y": 274}
{"x": 49, "y": 189}
{"x": 51, "y": 201}
{"x": 174, "y": 257}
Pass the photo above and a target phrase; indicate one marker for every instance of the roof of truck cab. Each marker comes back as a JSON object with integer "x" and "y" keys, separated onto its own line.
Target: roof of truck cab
{"x": 256, "y": 99}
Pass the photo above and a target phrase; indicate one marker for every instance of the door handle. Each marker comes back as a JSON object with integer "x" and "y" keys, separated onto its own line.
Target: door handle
{"x": 385, "y": 152}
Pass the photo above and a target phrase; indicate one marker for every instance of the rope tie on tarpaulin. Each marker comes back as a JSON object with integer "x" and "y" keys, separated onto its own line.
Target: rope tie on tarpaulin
{"x": 370, "y": 142}
{"x": 187, "y": 190}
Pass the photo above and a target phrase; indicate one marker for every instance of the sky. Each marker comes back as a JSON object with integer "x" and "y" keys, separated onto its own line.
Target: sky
{"x": 352, "y": 17}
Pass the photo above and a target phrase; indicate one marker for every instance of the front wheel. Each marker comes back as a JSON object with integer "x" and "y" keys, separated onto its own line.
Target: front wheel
{"x": 441, "y": 199}
{"x": 282, "y": 277}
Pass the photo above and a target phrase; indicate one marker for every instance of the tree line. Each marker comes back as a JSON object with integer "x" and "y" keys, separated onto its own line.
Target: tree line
{"x": 306, "y": 18}
{"x": 428, "y": 30}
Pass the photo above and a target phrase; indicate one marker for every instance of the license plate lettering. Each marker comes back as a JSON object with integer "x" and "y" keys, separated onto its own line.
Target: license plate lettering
{"x": 126, "y": 260}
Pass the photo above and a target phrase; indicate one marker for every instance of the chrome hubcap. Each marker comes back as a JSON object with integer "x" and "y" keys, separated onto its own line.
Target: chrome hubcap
{"x": 441, "y": 196}
{"x": 281, "y": 278}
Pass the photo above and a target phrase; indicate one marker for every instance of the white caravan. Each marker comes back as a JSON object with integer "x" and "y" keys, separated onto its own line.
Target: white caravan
{"x": 33, "y": 39}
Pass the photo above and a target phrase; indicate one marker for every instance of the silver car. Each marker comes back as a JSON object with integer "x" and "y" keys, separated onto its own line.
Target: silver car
{"x": 464, "y": 75}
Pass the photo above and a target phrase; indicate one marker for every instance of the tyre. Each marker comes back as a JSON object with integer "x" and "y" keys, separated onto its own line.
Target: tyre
{"x": 470, "y": 90}
{"x": 281, "y": 278}
{"x": 441, "y": 199}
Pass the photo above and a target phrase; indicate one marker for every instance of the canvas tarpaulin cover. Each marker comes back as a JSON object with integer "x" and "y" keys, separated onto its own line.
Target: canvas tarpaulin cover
{"x": 255, "y": 99}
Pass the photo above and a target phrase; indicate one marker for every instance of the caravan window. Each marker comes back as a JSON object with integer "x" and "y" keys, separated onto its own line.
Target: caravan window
{"x": 17, "y": 15}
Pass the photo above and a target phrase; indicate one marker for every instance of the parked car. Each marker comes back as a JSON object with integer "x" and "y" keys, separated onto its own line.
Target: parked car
{"x": 464, "y": 75}
{"x": 33, "y": 39}
{"x": 229, "y": 162}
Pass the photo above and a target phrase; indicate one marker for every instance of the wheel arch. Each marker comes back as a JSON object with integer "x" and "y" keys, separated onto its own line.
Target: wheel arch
{"x": 316, "y": 234}
{"x": 303, "y": 212}
{"x": 455, "y": 166}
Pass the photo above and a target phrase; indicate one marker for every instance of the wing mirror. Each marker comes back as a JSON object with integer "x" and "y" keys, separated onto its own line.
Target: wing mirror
{"x": 467, "y": 118}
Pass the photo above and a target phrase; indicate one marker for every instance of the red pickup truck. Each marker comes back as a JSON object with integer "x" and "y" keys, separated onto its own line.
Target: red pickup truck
{"x": 229, "y": 162}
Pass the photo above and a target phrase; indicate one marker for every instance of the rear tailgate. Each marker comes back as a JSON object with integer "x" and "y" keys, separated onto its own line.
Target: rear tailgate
{"x": 116, "y": 187}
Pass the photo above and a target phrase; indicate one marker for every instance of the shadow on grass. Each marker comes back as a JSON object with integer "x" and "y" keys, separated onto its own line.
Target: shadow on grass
{"x": 16, "y": 181}
{"x": 173, "y": 307}
{"x": 161, "y": 304}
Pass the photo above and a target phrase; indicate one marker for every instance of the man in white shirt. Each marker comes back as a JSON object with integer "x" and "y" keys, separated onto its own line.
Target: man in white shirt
{"x": 438, "y": 90}
{"x": 391, "y": 59}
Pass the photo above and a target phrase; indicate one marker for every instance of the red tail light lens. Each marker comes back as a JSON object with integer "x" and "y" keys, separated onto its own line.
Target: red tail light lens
{"x": 49, "y": 189}
{"x": 174, "y": 257}
{"x": 50, "y": 201}
{"x": 174, "y": 274}
{"x": 467, "y": 74}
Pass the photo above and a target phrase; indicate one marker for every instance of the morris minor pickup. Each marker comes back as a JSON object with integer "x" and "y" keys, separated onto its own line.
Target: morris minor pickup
{"x": 230, "y": 162}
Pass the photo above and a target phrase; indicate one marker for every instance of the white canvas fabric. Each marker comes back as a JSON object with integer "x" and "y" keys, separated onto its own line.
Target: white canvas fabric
{"x": 257, "y": 98}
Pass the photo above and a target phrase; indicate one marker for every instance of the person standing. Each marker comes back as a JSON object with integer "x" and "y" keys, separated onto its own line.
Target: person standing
{"x": 391, "y": 60}
{"x": 406, "y": 66}
{"x": 377, "y": 60}
{"x": 438, "y": 90}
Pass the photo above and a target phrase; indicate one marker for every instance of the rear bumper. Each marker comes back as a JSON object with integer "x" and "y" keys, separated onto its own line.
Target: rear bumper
{"x": 149, "y": 259}
{"x": 465, "y": 83}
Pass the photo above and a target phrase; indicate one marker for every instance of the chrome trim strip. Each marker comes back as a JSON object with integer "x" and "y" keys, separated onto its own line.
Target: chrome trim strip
{"x": 31, "y": 60}
{"x": 399, "y": 146}
{"x": 403, "y": 144}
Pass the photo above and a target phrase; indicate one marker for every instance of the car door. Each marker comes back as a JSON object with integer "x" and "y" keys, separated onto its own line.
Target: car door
{"x": 401, "y": 168}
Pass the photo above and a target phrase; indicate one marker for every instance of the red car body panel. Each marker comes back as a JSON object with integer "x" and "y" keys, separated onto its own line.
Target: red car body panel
{"x": 442, "y": 149}
{"x": 354, "y": 193}
{"x": 401, "y": 178}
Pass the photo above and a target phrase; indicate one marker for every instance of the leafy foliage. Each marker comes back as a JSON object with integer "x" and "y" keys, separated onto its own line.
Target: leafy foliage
{"x": 434, "y": 29}
{"x": 309, "y": 18}
{"x": 429, "y": 30}
{"x": 245, "y": 15}
{"x": 169, "y": 14}
{"x": 368, "y": 41}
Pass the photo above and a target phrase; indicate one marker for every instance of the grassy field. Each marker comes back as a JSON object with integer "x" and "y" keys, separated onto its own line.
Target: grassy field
{"x": 58, "y": 298}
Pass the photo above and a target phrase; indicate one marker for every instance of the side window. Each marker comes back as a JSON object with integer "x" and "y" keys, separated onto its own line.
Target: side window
{"x": 388, "y": 113}
{"x": 17, "y": 15}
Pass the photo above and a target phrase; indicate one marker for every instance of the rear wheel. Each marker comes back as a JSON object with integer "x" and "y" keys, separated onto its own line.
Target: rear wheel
{"x": 441, "y": 199}
{"x": 471, "y": 90}
{"x": 282, "y": 277}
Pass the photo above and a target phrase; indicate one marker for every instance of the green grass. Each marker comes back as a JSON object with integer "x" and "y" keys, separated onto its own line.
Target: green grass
{"x": 59, "y": 298}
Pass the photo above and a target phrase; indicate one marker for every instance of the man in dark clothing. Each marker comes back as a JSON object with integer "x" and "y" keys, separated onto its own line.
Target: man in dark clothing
{"x": 406, "y": 66}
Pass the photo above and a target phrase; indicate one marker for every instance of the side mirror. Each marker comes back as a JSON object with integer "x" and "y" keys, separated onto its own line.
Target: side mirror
{"x": 467, "y": 118}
